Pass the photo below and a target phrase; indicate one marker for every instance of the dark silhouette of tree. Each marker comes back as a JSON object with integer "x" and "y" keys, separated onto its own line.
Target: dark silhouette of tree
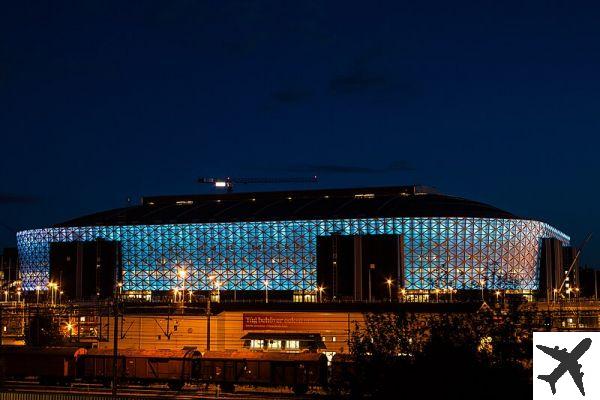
{"x": 42, "y": 331}
{"x": 474, "y": 355}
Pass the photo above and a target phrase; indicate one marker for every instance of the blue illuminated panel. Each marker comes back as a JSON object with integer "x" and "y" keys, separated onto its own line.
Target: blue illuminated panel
{"x": 438, "y": 252}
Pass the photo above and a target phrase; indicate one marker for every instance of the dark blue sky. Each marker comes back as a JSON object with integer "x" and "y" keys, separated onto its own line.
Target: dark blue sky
{"x": 494, "y": 101}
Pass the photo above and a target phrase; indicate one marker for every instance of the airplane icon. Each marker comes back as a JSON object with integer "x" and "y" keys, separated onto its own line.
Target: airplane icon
{"x": 568, "y": 362}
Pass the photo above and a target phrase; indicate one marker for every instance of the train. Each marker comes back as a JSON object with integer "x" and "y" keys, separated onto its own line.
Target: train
{"x": 175, "y": 368}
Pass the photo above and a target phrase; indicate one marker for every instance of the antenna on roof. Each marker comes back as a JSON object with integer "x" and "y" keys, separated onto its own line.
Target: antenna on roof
{"x": 228, "y": 182}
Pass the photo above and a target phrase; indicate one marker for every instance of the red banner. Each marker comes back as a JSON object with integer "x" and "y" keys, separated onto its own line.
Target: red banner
{"x": 274, "y": 322}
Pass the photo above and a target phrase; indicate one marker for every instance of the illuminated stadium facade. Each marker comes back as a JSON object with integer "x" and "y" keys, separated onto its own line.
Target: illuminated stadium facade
{"x": 242, "y": 240}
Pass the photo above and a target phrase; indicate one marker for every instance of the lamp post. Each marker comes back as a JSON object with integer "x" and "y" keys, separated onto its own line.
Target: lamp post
{"x": 175, "y": 295}
{"x": 18, "y": 295}
{"x": 37, "y": 294}
{"x": 389, "y": 285}
{"x": 403, "y": 293}
{"x": 6, "y": 295}
{"x": 321, "y": 289}
{"x": 52, "y": 287}
{"x": 482, "y": 282}
{"x": 182, "y": 275}
{"x": 60, "y": 297}
{"x": 497, "y": 295}
{"x": 451, "y": 289}
{"x": 266, "y": 290}
{"x": 371, "y": 268}
{"x": 218, "y": 285}
{"x": 437, "y": 295}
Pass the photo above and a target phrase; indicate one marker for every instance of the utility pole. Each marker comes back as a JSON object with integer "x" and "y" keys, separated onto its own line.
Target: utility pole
{"x": 208, "y": 323}
{"x": 115, "y": 345}
{"x": 1, "y": 324}
{"x": 115, "y": 326}
{"x": 371, "y": 268}
{"x": 595, "y": 285}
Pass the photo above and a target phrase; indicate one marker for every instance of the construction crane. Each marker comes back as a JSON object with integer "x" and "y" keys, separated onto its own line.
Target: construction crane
{"x": 229, "y": 182}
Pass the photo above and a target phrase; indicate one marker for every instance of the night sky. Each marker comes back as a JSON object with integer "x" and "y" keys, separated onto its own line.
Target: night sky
{"x": 493, "y": 101}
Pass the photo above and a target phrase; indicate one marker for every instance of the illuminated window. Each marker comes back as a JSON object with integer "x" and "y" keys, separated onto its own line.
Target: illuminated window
{"x": 256, "y": 344}
{"x": 274, "y": 344}
{"x": 292, "y": 344}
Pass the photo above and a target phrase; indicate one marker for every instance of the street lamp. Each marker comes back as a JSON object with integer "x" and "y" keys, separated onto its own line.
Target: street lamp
{"x": 6, "y": 295}
{"x": 569, "y": 293}
{"x": 37, "y": 294}
{"x": 218, "y": 285}
{"x": 554, "y": 292}
{"x": 182, "y": 275}
{"x": 371, "y": 268}
{"x": 321, "y": 289}
{"x": 52, "y": 286}
{"x": 389, "y": 285}
{"x": 70, "y": 329}
{"x": 403, "y": 293}
{"x": 482, "y": 282}
{"x": 497, "y": 295}
{"x": 175, "y": 295}
{"x": 266, "y": 282}
{"x": 437, "y": 295}
{"x": 18, "y": 295}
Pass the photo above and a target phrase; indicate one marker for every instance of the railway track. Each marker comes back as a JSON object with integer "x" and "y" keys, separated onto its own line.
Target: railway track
{"x": 157, "y": 392}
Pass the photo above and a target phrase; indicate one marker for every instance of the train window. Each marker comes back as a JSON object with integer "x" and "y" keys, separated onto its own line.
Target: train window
{"x": 256, "y": 344}
{"x": 274, "y": 344}
{"x": 292, "y": 344}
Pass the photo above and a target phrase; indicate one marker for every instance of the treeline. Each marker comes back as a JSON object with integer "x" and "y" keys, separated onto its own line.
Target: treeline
{"x": 469, "y": 356}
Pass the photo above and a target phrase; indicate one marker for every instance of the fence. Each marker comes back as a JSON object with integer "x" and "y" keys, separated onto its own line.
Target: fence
{"x": 58, "y": 396}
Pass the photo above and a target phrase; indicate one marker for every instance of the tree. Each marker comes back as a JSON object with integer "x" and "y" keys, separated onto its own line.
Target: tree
{"x": 471, "y": 355}
{"x": 387, "y": 342}
{"x": 42, "y": 331}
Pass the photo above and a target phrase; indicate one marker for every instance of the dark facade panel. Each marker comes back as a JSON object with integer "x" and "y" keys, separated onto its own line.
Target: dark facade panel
{"x": 358, "y": 267}
{"x": 551, "y": 267}
{"x": 9, "y": 264}
{"x": 570, "y": 259}
{"x": 335, "y": 266}
{"x": 85, "y": 270}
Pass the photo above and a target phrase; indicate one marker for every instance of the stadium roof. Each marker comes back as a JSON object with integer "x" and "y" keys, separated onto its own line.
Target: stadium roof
{"x": 378, "y": 202}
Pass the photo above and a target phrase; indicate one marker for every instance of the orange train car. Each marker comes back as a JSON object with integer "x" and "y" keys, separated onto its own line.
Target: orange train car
{"x": 173, "y": 367}
{"x": 299, "y": 371}
{"x": 50, "y": 365}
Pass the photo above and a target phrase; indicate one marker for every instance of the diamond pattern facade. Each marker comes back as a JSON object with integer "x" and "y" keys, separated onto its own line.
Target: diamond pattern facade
{"x": 438, "y": 252}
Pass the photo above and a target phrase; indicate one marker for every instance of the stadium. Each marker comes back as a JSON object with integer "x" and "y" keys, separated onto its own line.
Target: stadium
{"x": 300, "y": 242}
